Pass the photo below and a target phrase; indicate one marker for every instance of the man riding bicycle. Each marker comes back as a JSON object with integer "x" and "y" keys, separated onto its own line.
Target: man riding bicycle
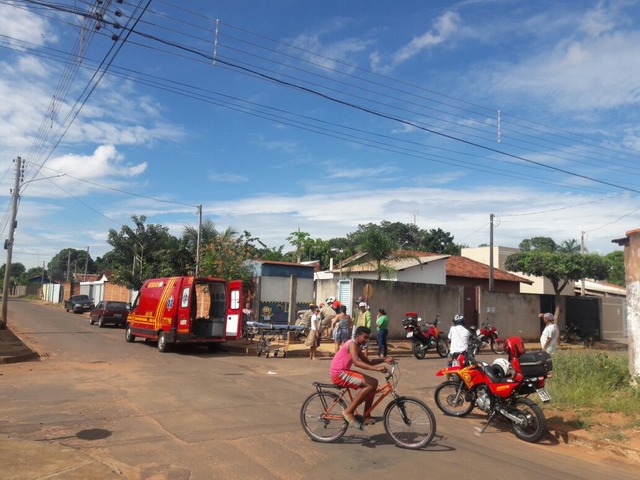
{"x": 351, "y": 354}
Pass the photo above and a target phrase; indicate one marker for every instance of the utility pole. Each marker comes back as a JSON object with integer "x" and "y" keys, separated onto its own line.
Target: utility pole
{"x": 15, "y": 195}
{"x": 86, "y": 264}
{"x": 197, "y": 272}
{"x": 582, "y": 289}
{"x": 68, "y": 263}
{"x": 491, "y": 252}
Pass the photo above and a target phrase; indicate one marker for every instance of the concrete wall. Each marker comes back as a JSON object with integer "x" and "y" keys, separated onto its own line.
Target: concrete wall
{"x": 400, "y": 297}
{"x": 514, "y": 315}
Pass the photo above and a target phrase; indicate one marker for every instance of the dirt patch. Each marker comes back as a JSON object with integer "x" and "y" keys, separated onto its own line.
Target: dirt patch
{"x": 601, "y": 427}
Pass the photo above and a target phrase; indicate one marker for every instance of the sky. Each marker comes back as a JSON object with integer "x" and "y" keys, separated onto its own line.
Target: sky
{"x": 314, "y": 116}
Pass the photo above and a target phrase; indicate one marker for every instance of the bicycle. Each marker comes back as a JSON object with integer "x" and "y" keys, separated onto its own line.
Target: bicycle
{"x": 408, "y": 421}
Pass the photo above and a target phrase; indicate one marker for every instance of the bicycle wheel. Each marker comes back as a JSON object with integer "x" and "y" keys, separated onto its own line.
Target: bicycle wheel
{"x": 409, "y": 422}
{"x": 321, "y": 417}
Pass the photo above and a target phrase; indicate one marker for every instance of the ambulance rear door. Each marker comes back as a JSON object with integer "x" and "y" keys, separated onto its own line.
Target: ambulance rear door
{"x": 233, "y": 324}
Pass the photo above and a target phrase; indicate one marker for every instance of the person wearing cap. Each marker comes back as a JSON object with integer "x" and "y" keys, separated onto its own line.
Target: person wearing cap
{"x": 550, "y": 334}
{"x": 327, "y": 315}
{"x": 364, "y": 320}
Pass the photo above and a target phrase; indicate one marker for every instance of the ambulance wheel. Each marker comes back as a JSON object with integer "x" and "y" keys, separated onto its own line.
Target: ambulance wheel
{"x": 128, "y": 336}
{"x": 163, "y": 345}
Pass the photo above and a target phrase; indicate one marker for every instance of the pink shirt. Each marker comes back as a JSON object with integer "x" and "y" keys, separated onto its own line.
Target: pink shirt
{"x": 341, "y": 360}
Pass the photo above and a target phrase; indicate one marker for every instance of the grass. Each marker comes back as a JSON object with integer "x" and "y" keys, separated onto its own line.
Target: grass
{"x": 588, "y": 382}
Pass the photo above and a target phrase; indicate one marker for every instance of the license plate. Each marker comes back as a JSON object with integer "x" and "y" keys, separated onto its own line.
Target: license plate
{"x": 409, "y": 334}
{"x": 117, "y": 315}
{"x": 543, "y": 394}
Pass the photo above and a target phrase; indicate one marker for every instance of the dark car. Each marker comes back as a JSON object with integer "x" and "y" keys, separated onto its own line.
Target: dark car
{"x": 109, "y": 312}
{"x": 79, "y": 304}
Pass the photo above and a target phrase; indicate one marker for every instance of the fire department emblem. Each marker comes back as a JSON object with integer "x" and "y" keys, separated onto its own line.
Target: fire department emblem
{"x": 170, "y": 303}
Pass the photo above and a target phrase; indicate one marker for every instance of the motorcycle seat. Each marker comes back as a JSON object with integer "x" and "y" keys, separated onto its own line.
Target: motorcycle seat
{"x": 490, "y": 372}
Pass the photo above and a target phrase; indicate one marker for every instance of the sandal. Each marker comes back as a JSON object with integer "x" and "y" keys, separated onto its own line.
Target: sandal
{"x": 354, "y": 423}
{"x": 369, "y": 421}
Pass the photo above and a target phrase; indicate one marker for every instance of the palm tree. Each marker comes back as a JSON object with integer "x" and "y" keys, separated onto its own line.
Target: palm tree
{"x": 569, "y": 246}
{"x": 380, "y": 248}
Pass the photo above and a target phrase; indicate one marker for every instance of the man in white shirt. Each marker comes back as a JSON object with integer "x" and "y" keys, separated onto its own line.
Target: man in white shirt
{"x": 550, "y": 334}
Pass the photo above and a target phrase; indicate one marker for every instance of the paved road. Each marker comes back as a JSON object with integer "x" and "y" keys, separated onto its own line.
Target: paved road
{"x": 197, "y": 415}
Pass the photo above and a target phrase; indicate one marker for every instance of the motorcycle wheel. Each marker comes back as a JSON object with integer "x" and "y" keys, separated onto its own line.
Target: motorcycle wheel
{"x": 418, "y": 350}
{"x": 454, "y": 398}
{"x": 497, "y": 347}
{"x": 534, "y": 424}
{"x": 442, "y": 347}
{"x": 563, "y": 336}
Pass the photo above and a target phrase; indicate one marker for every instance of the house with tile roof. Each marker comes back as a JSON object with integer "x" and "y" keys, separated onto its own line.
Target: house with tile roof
{"x": 432, "y": 268}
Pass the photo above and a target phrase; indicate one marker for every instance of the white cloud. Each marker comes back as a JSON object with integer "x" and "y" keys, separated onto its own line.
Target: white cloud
{"x": 19, "y": 25}
{"x": 106, "y": 166}
{"x": 443, "y": 28}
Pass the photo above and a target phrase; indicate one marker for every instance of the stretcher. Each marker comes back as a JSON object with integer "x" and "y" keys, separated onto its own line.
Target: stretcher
{"x": 270, "y": 335}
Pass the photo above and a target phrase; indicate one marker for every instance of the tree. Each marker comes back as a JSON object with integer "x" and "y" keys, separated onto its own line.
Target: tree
{"x": 379, "y": 247}
{"x": 569, "y": 246}
{"x": 224, "y": 257}
{"x": 559, "y": 267}
{"x": 301, "y": 241}
{"x": 145, "y": 251}
{"x": 615, "y": 267}
{"x": 70, "y": 259}
{"x": 17, "y": 270}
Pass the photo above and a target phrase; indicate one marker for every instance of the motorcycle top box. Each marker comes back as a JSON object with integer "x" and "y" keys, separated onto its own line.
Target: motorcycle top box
{"x": 410, "y": 318}
{"x": 535, "y": 364}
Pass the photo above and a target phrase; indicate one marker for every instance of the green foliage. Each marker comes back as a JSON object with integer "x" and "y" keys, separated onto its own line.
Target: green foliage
{"x": 223, "y": 257}
{"x": 542, "y": 257}
{"x": 588, "y": 379}
{"x": 16, "y": 273}
{"x": 615, "y": 267}
{"x": 68, "y": 261}
{"x": 409, "y": 237}
{"x": 544, "y": 244}
{"x": 145, "y": 251}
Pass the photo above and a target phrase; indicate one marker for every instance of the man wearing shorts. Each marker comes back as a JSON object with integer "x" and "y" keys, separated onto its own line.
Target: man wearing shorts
{"x": 351, "y": 354}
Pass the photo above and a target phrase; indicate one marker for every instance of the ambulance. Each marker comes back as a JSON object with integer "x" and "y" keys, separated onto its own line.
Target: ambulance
{"x": 179, "y": 310}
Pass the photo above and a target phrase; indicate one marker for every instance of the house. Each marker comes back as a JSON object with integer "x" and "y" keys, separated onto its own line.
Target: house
{"x": 536, "y": 285}
{"x": 597, "y": 306}
{"x": 421, "y": 268}
{"x": 433, "y": 268}
{"x": 277, "y": 284}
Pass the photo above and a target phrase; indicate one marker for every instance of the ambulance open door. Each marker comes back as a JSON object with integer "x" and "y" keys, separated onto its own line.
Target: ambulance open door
{"x": 233, "y": 325}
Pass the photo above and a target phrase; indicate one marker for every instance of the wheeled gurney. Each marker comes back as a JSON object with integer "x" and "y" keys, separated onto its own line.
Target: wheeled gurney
{"x": 272, "y": 333}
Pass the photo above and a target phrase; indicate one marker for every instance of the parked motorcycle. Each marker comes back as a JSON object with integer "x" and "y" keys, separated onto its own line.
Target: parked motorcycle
{"x": 488, "y": 335}
{"x": 425, "y": 336}
{"x": 500, "y": 389}
{"x": 573, "y": 334}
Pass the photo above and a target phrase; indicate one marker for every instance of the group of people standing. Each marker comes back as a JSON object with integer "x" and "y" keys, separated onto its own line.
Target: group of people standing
{"x": 343, "y": 327}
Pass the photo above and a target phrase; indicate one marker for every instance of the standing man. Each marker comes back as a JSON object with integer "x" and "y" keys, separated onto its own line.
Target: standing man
{"x": 364, "y": 320}
{"x": 550, "y": 334}
{"x": 327, "y": 314}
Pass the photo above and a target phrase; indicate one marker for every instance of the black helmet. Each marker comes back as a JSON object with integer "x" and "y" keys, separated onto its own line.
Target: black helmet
{"x": 458, "y": 320}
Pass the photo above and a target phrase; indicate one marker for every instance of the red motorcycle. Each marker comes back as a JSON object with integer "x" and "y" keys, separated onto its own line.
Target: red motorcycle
{"x": 500, "y": 389}
{"x": 424, "y": 337}
{"x": 488, "y": 335}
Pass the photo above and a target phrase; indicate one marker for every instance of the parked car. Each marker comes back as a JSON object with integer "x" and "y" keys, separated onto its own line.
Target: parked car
{"x": 109, "y": 312}
{"x": 79, "y": 304}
